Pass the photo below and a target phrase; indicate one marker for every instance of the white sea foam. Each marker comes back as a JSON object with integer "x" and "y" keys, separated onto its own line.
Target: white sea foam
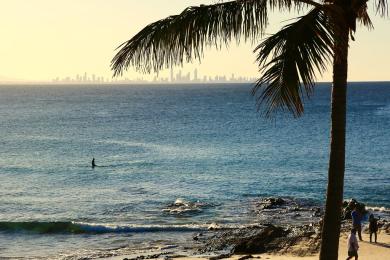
{"x": 378, "y": 209}
{"x": 383, "y": 111}
{"x": 110, "y": 228}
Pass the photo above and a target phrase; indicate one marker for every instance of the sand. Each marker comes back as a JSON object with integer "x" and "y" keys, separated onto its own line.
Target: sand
{"x": 367, "y": 250}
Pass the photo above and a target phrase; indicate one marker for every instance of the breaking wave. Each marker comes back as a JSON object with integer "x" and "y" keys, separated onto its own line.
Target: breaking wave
{"x": 84, "y": 228}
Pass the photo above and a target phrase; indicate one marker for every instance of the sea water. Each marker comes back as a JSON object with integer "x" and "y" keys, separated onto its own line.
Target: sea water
{"x": 203, "y": 146}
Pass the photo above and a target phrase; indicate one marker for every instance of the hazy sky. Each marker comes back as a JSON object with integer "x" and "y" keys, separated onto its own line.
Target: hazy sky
{"x": 43, "y": 39}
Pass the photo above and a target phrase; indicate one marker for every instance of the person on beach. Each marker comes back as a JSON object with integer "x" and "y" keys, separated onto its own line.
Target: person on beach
{"x": 353, "y": 245}
{"x": 357, "y": 222}
{"x": 93, "y": 163}
{"x": 373, "y": 226}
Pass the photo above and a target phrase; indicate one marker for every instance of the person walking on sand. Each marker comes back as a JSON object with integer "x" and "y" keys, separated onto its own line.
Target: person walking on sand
{"x": 93, "y": 163}
{"x": 357, "y": 222}
{"x": 373, "y": 226}
{"x": 353, "y": 245}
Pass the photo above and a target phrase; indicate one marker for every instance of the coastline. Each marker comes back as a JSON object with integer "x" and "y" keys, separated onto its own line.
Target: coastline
{"x": 367, "y": 250}
{"x": 287, "y": 241}
{"x": 284, "y": 228}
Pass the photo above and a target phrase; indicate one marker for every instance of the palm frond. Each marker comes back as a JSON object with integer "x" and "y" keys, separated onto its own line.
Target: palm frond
{"x": 382, "y": 7}
{"x": 364, "y": 18}
{"x": 182, "y": 37}
{"x": 290, "y": 57}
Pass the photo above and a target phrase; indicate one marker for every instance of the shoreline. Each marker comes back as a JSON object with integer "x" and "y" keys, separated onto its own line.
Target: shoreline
{"x": 285, "y": 228}
{"x": 367, "y": 250}
{"x": 266, "y": 241}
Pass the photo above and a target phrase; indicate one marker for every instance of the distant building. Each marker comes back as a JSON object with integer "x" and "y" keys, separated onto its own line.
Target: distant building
{"x": 172, "y": 78}
{"x": 196, "y": 75}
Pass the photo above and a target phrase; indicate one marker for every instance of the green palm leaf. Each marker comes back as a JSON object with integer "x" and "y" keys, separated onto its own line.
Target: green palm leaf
{"x": 182, "y": 37}
{"x": 290, "y": 57}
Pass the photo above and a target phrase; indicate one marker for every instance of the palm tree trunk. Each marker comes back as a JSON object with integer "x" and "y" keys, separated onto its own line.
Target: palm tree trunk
{"x": 334, "y": 196}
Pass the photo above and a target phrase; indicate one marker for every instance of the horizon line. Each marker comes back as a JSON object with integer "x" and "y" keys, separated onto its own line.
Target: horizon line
{"x": 34, "y": 83}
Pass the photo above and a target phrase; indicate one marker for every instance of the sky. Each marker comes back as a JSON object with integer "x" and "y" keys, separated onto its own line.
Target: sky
{"x": 45, "y": 39}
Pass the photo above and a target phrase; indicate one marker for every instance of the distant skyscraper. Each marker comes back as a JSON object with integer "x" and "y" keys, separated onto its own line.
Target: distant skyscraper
{"x": 196, "y": 75}
{"x": 178, "y": 76}
{"x": 172, "y": 78}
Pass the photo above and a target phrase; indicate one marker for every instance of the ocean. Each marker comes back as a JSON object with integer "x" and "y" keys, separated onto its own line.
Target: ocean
{"x": 202, "y": 146}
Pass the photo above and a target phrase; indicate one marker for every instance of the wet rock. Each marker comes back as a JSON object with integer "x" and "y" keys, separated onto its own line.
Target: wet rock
{"x": 197, "y": 236}
{"x": 181, "y": 207}
{"x": 284, "y": 211}
{"x": 245, "y": 240}
{"x": 265, "y": 239}
{"x": 261, "y": 242}
{"x": 317, "y": 212}
{"x": 213, "y": 226}
{"x": 269, "y": 203}
{"x": 222, "y": 256}
{"x": 246, "y": 257}
{"x": 384, "y": 226}
{"x": 349, "y": 206}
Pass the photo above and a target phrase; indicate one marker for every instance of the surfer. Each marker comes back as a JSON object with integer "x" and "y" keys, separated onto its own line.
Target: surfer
{"x": 93, "y": 163}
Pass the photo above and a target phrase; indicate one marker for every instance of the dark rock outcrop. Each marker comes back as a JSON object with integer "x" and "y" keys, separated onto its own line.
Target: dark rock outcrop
{"x": 263, "y": 239}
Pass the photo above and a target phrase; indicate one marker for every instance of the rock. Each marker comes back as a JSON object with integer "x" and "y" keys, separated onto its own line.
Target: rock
{"x": 261, "y": 242}
{"x": 245, "y": 257}
{"x": 222, "y": 256}
{"x": 269, "y": 203}
{"x": 264, "y": 239}
{"x": 384, "y": 226}
{"x": 246, "y": 240}
{"x": 349, "y": 206}
{"x": 213, "y": 226}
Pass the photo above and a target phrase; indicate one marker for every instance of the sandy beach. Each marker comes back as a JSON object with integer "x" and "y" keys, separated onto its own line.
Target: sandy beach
{"x": 367, "y": 250}
{"x": 371, "y": 251}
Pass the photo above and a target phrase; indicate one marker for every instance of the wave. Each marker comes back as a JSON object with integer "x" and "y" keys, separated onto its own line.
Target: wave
{"x": 378, "y": 209}
{"x": 85, "y": 228}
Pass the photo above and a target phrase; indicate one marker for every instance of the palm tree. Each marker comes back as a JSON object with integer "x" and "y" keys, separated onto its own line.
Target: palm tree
{"x": 288, "y": 62}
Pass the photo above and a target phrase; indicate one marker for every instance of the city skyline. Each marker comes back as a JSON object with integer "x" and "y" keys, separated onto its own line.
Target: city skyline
{"x": 62, "y": 38}
{"x": 174, "y": 78}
